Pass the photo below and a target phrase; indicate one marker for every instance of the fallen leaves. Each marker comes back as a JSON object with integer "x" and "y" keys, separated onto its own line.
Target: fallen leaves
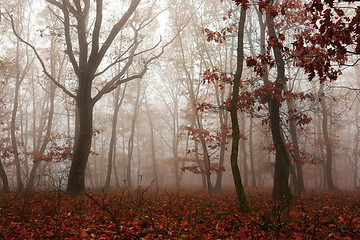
{"x": 193, "y": 215}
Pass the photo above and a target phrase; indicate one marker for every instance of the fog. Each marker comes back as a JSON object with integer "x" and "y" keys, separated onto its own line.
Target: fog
{"x": 158, "y": 90}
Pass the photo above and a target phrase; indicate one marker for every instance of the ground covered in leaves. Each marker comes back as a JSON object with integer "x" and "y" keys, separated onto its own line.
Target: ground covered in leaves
{"x": 145, "y": 214}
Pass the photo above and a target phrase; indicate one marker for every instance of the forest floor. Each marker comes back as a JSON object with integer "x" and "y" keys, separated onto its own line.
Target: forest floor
{"x": 145, "y": 214}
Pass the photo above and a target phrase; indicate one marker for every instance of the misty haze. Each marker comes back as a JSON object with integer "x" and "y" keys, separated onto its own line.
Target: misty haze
{"x": 179, "y": 119}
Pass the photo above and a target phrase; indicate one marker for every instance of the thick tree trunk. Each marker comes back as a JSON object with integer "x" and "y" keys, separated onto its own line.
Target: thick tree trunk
{"x": 76, "y": 181}
{"x": 328, "y": 144}
{"x": 244, "y": 205}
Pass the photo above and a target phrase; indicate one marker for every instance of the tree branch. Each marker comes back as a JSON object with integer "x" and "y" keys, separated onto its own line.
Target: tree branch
{"x": 40, "y": 60}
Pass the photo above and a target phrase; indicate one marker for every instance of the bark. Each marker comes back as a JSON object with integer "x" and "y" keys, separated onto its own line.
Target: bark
{"x": 76, "y": 181}
{"x": 244, "y": 205}
{"x": 328, "y": 144}
{"x": 281, "y": 191}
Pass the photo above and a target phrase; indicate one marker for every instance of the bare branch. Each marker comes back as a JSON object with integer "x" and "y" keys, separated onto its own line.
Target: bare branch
{"x": 40, "y": 60}
{"x": 96, "y": 31}
{"x": 96, "y": 58}
{"x": 69, "y": 49}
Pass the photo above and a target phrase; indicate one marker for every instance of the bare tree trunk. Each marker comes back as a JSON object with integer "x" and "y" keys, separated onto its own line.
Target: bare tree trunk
{"x": 19, "y": 79}
{"x": 328, "y": 143}
{"x": 31, "y": 182}
{"x": 281, "y": 191}
{"x": 294, "y": 139}
{"x": 251, "y": 152}
{"x": 5, "y": 181}
{"x": 243, "y": 151}
{"x": 85, "y": 105}
{"x": 244, "y": 205}
{"x": 152, "y": 143}
{"x": 117, "y": 104}
{"x": 356, "y": 152}
{"x": 132, "y": 134}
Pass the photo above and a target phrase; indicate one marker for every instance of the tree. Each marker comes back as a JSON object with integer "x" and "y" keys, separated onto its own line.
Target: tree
{"x": 22, "y": 67}
{"x": 112, "y": 148}
{"x": 234, "y": 112}
{"x": 329, "y": 148}
{"x": 86, "y": 54}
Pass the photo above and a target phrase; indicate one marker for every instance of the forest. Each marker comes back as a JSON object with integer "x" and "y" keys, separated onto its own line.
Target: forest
{"x": 179, "y": 119}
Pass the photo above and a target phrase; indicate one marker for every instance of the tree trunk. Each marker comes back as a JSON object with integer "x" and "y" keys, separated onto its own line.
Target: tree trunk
{"x": 132, "y": 134}
{"x": 356, "y": 153}
{"x": 18, "y": 82}
{"x": 281, "y": 191}
{"x": 117, "y": 104}
{"x": 5, "y": 181}
{"x": 243, "y": 151}
{"x": 221, "y": 159}
{"x": 31, "y": 182}
{"x": 251, "y": 152}
{"x": 152, "y": 143}
{"x": 85, "y": 105}
{"x": 328, "y": 144}
{"x": 294, "y": 139}
{"x": 244, "y": 205}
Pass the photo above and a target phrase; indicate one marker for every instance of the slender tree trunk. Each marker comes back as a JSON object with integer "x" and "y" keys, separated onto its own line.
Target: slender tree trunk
{"x": 243, "y": 151}
{"x": 175, "y": 143}
{"x": 18, "y": 82}
{"x": 251, "y": 153}
{"x": 328, "y": 144}
{"x": 132, "y": 134}
{"x": 139, "y": 175}
{"x": 356, "y": 152}
{"x": 52, "y": 89}
{"x": 244, "y": 205}
{"x": 294, "y": 139}
{"x": 4, "y": 178}
{"x": 221, "y": 159}
{"x": 117, "y": 104}
{"x": 152, "y": 143}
